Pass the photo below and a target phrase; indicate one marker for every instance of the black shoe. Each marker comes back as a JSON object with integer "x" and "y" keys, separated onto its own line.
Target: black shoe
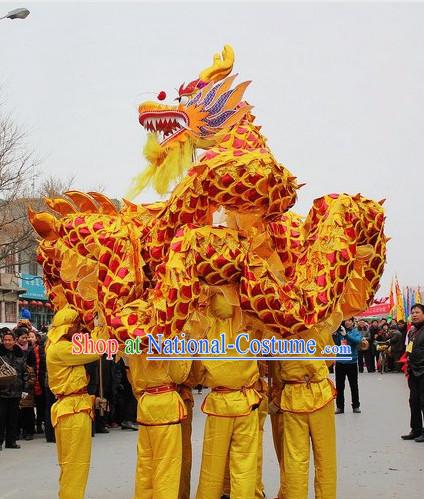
{"x": 356, "y": 410}
{"x": 29, "y": 437}
{"x": 411, "y": 436}
{"x": 420, "y": 438}
{"x": 339, "y": 411}
{"x": 102, "y": 430}
{"x": 1, "y": 446}
{"x": 12, "y": 446}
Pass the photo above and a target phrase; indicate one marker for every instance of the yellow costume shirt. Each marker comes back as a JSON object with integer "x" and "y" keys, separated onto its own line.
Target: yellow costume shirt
{"x": 67, "y": 377}
{"x": 160, "y": 408}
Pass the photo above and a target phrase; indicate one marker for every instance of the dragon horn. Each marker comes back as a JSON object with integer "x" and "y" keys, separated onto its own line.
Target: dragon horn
{"x": 59, "y": 205}
{"x": 105, "y": 204}
{"x": 129, "y": 205}
{"x": 382, "y": 201}
{"x": 82, "y": 201}
{"x": 44, "y": 224}
{"x": 221, "y": 67}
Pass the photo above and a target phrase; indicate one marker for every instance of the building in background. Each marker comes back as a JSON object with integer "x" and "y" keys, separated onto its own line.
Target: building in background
{"x": 10, "y": 290}
{"x": 21, "y": 286}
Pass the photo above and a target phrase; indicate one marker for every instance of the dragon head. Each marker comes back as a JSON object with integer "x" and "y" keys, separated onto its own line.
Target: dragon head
{"x": 206, "y": 107}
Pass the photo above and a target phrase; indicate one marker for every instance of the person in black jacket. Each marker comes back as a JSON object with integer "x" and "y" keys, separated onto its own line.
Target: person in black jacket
{"x": 396, "y": 348}
{"x": 403, "y": 328}
{"x": 416, "y": 374}
{"x": 11, "y": 393}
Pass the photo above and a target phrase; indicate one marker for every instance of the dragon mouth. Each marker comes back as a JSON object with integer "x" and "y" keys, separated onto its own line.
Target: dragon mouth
{"x": 166, "y": 124}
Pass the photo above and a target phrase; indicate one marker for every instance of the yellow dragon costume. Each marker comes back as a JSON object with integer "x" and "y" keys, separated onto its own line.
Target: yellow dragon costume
{"x": 144, "y": 266}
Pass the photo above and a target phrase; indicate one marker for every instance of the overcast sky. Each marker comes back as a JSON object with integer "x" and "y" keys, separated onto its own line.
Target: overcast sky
{"x": 338, "y": 89}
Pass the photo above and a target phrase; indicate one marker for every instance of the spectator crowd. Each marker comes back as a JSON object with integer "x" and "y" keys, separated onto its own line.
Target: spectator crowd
{"x": 25, "y": 397}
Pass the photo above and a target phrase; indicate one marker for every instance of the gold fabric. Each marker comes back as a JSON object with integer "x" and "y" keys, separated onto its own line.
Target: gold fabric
{"x": 232, "y": 426}
{"x": 314, "y": 389}
{"x": 238, "y": 438}
{"x": 277, "y": 434}
{"x": 163, "y": 408}
{"x": 159, "y": 448}
{"x": 67, "y": 375}
{"x": 186, "y": 427}
{"x": 262, "y": 387}
{"x": 299, "y": 431}
{"x": 73, "y": 443}
{"x": 158, "y": 468}
{"x": 262, "y": 414}
{"x": 237, "y": 375}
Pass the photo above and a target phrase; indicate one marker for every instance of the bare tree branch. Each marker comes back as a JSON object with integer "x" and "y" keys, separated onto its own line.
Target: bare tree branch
{"x": 17, "y": 170}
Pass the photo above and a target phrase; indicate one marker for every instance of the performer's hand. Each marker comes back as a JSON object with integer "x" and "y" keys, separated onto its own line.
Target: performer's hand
{"x": 273, "y": 408}
{"x": 98, "y": 321}
{"x": 24, "y": 395}
{"x": 100, "y": 403}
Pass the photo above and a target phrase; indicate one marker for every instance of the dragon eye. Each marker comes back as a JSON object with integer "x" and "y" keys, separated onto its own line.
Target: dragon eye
{"x": 184, "y": 99}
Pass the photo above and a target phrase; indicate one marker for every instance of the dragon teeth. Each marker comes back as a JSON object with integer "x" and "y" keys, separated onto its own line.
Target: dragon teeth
{"x": 171, "y": 125}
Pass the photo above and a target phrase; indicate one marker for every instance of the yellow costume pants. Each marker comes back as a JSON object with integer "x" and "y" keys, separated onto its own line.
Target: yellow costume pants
{"x": 73, "y": 443}
{"x": 319, "y": 426}
{"x": 238, "y": 438}
{"x": 186, "y": 426}
{"x": 158, "y": 469}
{"x": 277, "y": 434}
{"x": 263, "y": 412}
{"x": 260, "y": 489}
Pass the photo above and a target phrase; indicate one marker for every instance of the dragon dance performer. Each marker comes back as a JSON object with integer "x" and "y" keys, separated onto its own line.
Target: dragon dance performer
{"x": 275, "y": 412}
{"x": 160, "y": 411}
{"x": 186, "y": 392}
{"x": 72, "y": 413}
{"x": 307, "y": 415}
{"x": 232, "y": 424}
{"x": 261, "y": 386}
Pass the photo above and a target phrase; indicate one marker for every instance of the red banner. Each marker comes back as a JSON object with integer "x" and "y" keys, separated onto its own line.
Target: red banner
{"x": 381, "y": 309}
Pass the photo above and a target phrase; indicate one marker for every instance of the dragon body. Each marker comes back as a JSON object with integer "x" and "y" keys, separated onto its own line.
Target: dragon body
{"x": 144, "y": 267}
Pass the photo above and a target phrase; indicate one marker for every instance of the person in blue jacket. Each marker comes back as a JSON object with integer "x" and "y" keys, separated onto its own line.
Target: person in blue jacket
{"x": 347, "y": 335}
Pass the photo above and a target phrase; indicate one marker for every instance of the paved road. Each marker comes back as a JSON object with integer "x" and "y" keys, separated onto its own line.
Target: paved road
{"x": 373, "y": 462}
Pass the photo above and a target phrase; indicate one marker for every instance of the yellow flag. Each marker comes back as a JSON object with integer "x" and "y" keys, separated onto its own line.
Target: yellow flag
{"x": 400, "y": 310}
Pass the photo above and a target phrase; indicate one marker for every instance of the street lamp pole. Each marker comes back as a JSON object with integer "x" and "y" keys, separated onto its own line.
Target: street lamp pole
{"x": 16, "y": 14}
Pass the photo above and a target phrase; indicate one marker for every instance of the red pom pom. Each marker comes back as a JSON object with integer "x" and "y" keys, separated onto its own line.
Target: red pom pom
{"x": 162, "y": 95}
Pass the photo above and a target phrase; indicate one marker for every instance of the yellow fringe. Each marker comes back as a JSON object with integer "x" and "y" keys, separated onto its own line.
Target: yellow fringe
{"x": 166, "y": 165}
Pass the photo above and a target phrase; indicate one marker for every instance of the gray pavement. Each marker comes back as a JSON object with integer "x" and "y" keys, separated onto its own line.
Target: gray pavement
{"x": 373, "y": 462}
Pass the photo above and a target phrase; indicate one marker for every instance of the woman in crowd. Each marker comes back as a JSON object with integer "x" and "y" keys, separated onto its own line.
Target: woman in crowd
{"x": 12, "y": 392}
{"x": 26, "y": 406}
{"x": 40, "y": 375}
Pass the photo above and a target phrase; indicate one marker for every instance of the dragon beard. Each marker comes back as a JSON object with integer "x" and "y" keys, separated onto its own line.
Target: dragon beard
{"x": 166, "y": 165}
